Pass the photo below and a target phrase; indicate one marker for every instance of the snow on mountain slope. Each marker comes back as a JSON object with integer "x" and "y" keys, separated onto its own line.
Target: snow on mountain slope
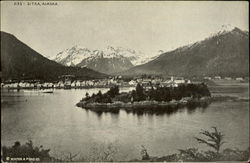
{"x": 84, "y": 57}
{"x": 72, "y": 56}
{"x": 220, "y": 54}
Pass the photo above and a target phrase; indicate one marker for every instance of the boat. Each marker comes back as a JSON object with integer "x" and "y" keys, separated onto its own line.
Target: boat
{"x": 47, "y": 91}
{"x": 38, "y": 91}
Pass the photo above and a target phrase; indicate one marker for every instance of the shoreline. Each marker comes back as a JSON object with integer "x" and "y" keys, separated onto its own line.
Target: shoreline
{"x": 154, "y": 105}
{"x": 117, "y": 105}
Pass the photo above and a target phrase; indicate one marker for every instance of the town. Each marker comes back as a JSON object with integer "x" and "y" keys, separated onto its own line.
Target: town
{"x": 68, "y": 82}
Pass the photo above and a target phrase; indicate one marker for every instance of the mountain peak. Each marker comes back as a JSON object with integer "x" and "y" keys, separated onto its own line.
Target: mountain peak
{"x": 230, "y": 29}
{"x": 227, "y": 27}
{"x": 220, "y": 55}
{"x": 239, "y": 31}
{"x": 78, "y": 47}
{"x": 224, "y": 29}
{"x": 110, "y": 55}
{"x": 19, "y": 61}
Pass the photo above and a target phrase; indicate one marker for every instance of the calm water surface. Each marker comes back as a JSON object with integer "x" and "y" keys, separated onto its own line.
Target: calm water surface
{"x": 53, "y": 120}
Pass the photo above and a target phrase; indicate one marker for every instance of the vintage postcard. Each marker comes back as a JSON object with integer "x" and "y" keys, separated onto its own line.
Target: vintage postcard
{"x": 130, "y": 81}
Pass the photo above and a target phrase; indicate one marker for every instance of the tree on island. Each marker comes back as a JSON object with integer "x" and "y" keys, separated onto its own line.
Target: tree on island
{"x": 99, "y": 97}
{"x": 113, "y": 91}
{"x": 87, "y": 95}
{"x": 140, "y": 92}
{"x": 154, "y": 94}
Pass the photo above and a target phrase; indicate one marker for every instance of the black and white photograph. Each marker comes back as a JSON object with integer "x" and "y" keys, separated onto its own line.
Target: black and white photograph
{"x": 125, "y": 81}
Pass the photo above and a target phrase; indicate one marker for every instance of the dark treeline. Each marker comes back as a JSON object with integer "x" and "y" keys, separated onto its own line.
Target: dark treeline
{"x": 152, "y": 94}
{"x": 170, "y": 93}
{"x": 103, "y": 98}
{"x": 25, "y": 152}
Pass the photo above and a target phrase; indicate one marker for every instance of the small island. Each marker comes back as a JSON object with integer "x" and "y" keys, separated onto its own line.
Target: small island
{"x": 148, "y": 98}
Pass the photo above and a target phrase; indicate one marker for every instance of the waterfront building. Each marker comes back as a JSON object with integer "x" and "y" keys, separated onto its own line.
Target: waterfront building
{"x": 132, "y": 82}
{"x": 228, "y": 78}
{"x": 217, "y": 77}
{"x": 207, "y": 78}
{"x": 239, "y": 79}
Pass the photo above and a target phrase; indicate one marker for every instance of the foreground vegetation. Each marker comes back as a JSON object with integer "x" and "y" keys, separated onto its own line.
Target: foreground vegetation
{"x": 25, "y": 152}
{"x": 214, "y": 140}
{"x": 108, "y": 152}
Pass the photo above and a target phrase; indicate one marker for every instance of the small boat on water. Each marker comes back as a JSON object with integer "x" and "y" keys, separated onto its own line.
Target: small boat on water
{"x": 47, "y": 91}
{"x": 38, "y": 91}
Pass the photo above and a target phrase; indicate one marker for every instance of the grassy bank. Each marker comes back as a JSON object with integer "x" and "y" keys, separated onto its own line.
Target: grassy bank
{"x": 212, "y": 138}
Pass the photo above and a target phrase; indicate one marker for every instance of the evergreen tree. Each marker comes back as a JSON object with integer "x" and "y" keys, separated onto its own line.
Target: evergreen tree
{"x": 139, "y": 92}
{"x": 87, "y": 96}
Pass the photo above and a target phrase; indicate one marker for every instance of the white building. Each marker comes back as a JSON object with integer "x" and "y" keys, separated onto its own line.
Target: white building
{"x": 217, "y": 77}
{"x": 78, "y": 83}
{"x": 239, "y": 79}
{"x": 27, "y": 85}
{"x": 89, "y": 83}
{"x": 179, "y": 81}
{"x": 207, "y": 78}
{"x": 132, "y": 82}
{"x": 228, "y": 78}
{"x": 73, "y": 84}
{"x": 22, "y": 84}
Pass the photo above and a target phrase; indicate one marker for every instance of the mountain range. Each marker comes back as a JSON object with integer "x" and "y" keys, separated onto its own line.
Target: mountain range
{"x": 19, "y": 61}
{"x": 225, "y": 53}
{"x": 109, "y": 60}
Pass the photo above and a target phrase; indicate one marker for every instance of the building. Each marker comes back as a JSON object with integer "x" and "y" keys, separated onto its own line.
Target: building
{"x": 177, "y": 80}
{"x": 207, "y": 78}
{"x": 217, "y": 77}
{"x": 228, "y": 78}
{"x": 132, "y": 83}
{"x": 239, "y": 79}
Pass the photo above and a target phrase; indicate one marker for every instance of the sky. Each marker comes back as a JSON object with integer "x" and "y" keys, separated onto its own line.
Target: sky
{"x": 148, "y": 26}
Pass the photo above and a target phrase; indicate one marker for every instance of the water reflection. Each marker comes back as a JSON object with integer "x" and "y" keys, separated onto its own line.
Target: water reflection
{"x": 201, "y": 107}
{"x": 45, "y": 117}
{"x": 159, "y": 111}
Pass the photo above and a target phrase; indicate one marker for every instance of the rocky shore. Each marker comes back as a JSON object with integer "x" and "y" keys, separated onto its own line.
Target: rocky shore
{"x": 152, "y": 105}
{"x": 117, "y": 105}
{"x": 153, "y": 99}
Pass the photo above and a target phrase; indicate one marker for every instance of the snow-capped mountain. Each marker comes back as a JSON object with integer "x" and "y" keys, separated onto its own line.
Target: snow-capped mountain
{"x": 225, "y": 53}
{"x": 108, "y": 60}
{"x": 72, "y": 56}
{"x": 21, "y": 62}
